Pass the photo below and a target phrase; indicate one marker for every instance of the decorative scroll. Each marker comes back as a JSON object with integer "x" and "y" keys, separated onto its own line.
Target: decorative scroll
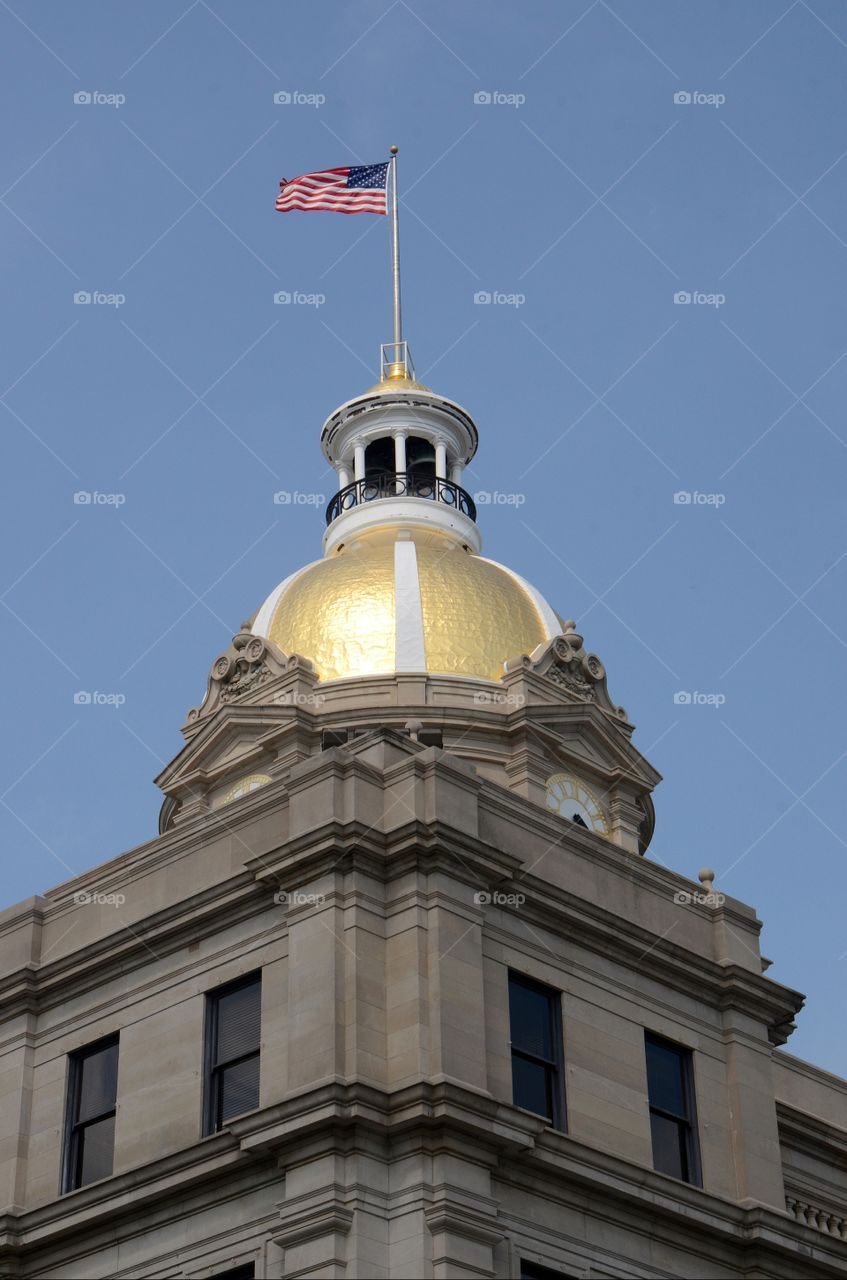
{"x": 582, "y": 675}
{"x": 250, "y": 663}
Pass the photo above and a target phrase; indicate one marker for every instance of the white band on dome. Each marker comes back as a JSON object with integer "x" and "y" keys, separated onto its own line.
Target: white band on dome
{"x": 264, "y": 618}
{"x": 409, "y": 650}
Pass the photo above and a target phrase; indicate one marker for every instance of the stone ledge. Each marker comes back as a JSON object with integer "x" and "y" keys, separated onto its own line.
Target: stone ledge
{"x": 516, "y": 1147}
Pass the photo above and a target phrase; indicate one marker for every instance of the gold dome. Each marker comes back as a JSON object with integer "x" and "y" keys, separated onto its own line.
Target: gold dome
{"x": 381, "y": 606}
{"x": 396, "y": 382}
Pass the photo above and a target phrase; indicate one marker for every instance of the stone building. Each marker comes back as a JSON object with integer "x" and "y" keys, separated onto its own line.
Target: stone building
{"x": 397, "y": 991}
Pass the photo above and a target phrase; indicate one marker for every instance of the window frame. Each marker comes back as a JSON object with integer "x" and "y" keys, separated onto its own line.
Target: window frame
{"x": 554, "y": 1065}
{"x": 74, "y": 1128}
{"x": 687, "y": 1123}
{"x": 212, "y": 1097}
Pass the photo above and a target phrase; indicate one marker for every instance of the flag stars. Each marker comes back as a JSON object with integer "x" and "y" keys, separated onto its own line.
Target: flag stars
{"x": 370, "y": 175}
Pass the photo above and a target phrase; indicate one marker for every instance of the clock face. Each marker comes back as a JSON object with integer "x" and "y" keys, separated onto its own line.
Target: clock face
{"x": 242, "y": 788}
{"x": 567, "y": 796}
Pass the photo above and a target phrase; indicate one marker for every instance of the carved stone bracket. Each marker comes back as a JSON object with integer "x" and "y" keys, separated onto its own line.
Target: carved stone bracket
{"x": 249, "y": 664}
{"x": 582, "y": 675}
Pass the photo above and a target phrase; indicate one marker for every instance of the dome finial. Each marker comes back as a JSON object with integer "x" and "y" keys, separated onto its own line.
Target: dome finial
{"x": 395, "y": 361}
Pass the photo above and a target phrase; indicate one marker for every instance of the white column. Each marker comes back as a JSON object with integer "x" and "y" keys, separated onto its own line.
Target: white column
{"x": 400, "y": 459}
{"x": 343, "y": 477}
{"x": 441, "y": 459}
{"x": 456, "y": 473}
{"x": 359, "y": 459}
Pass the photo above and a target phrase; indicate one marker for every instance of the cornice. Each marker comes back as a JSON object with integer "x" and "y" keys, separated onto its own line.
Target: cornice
{"x": 38, "y": 987}
{"x": 499, "y": 800}
{"x": 632, "y": 764}
{"x": 173, "y": 844}
{"x": 427, "y": 846}
{"x": 209, "y": 1163}
{"x": 819, "y": 1075}
{"x": 227, "y": 721}
{"x": 30, "y": 911}
{"x": 811, "y": 1134}
{"x": 723, "y": 986}
{"x": 437, "y": 845}
{"x": 633, "y": 867}
{"x": 517, "y": 1147}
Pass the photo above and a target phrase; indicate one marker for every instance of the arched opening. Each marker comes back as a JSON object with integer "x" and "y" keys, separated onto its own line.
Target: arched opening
{"x": 420, "y": 467}
{"x": 379, "y": 458}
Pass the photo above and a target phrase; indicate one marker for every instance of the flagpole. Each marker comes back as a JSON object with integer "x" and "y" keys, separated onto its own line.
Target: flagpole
{"x": 395, "y": 258}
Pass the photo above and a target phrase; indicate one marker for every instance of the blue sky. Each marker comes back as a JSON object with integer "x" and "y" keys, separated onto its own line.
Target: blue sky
{"x": 587, "y": 195}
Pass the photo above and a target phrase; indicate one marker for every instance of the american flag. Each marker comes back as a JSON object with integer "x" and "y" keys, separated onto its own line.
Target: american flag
{"x": 357, "y": 189}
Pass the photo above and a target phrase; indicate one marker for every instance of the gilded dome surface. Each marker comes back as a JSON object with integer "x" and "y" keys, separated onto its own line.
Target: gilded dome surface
{"x": 384, "y": 606}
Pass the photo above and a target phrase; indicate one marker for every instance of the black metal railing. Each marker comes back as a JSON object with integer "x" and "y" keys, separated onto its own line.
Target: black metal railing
{"x": 390, "y": 484}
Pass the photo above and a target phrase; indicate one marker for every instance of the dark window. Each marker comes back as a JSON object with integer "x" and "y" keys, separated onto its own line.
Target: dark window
{"x": 431, "y": 737}
{"x": 532, "y": 1271}
{"x": 90, "y": 1122}
{"x": 233, "y": 1033}
{"x": 535, "y": 1021}
{"x": 670, "y": 1087}
{"x": 247, "y": 1272}
{"x": 333, "y": 738}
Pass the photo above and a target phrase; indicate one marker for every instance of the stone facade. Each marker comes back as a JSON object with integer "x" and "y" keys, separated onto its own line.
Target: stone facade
{"x": 396, "y": 852}
{"x": 385, "y": 888}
